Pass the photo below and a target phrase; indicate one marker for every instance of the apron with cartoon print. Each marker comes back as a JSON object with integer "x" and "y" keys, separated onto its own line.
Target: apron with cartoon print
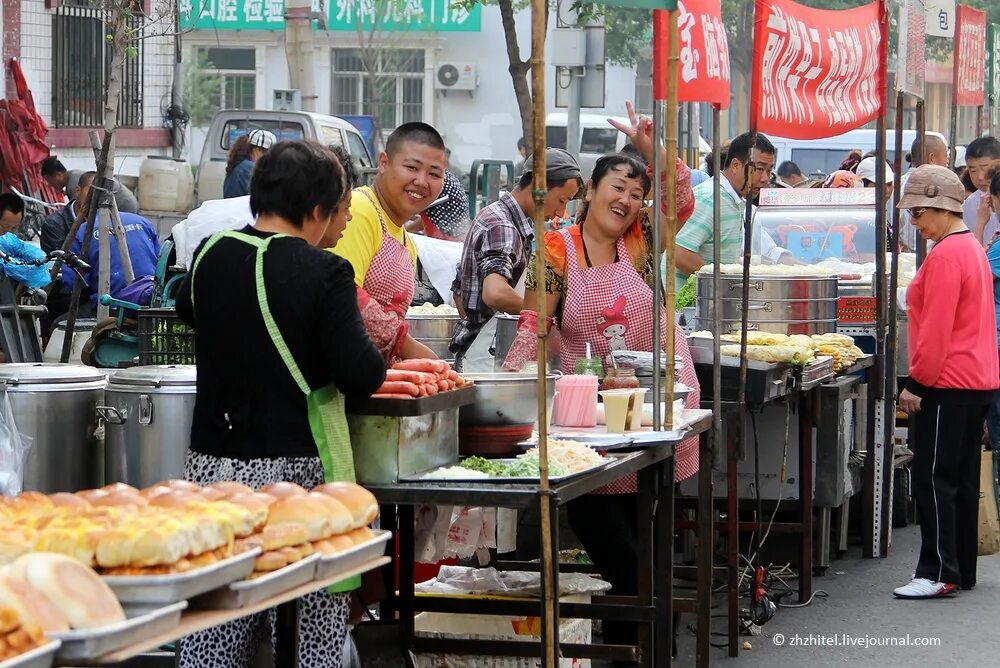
{"x": 610, "y": 308}
{"x": 391, "y": 277}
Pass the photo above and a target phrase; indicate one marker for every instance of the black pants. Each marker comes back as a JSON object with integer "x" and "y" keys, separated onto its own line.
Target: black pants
{"x": 945, "y": 485}
{"x": 607, "y": 525}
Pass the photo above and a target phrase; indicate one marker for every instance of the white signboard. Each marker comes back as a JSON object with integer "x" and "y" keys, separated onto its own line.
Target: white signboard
{"x": 940, "y": 17}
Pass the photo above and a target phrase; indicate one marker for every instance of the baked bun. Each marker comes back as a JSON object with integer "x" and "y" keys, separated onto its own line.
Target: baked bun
{"x": 182, "y": 485}
{"x": 361, "y": 502}
{"x": 276, "y": 537}
{"x": 340, "y": 543}
{"x": 303, "y": 510}
{"x": 31, "y": 503}
{"x": 92, "y": 495}
{"x": 210, "y": 494}
{"x": 362, "y": 535}
{"x": 256, "y": 506}
{"x": 280, "y": 490}
{"x": 64, "y": 500}
{"x": 9, "y": 619}
{"x": 31, "y": 606}
{"x": 230, "y": 488}
{"x": 270, "y": 561}
{"x": 174, "y": 499}
{"x": 74, "y": 589}
{"x": 155, "y": 490}
{"x": 14, "y": 543}
{"x": 120, "y": 499}
{"x": 120, "y": 487}
{"x": 338, "y": 514}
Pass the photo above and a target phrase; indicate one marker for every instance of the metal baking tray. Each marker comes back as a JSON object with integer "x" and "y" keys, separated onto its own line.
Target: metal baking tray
{"x": 623, "y": 441}
{"x": 442, "y": 401}
{"x": 249, "y": 592}
{"x": 40, "y": 657}
{"x": 704, "y": 354}
{"x": 331, "y": 565}
{"x": 145, "y": 592}
{"x": 495, "y": 479}
{"x": 87, "y": 644}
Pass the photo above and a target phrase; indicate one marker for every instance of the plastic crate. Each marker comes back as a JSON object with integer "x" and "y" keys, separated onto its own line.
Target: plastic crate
{"x": 164, "y": 338}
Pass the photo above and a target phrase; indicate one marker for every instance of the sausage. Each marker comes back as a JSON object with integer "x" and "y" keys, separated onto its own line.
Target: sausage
{"x": 431, "y": 389}
{"x": 415, "y": 377}
{"x": 399, "y": 387}
{"x": 443, "y": 386}
{"x": 437, "y": 367}
{"x": 392, "y": 396}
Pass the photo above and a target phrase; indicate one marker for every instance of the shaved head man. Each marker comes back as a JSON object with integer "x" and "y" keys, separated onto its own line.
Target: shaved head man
{"x": 935, "y": 148}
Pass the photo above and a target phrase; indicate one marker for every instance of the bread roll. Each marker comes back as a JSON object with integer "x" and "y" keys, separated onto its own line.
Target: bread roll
{"x": 284, "y": 535}
{"x": 338, "y": 514}
{"x": 92, "y": 495}
{"x": 182, "y": 485}
{"x": 211, "y": 494}
{"x": 14, "y": 543}
{"x": 64, "y": 500}
{"x": 155, "y": 490}
{"x": 120, "y": 487}
{"x": 230, "y": 488}
{"x": 120, "y": 499}
{"x": 30, "y": 503}
{"x": 74, "y": 589}
{"x": 325, "y": 547}
{"x": 305, "y": 510}
{"x": 341, "y": 543}
{"x": 174, "y": 499}
{"x": 31, "y": 606}
{"x": 270, "y": 561}
{"x": 9, "y": 619}
{"x": 361, "y": 502}
{"x": 362, "y": 535}
{"x": 256, "y": 505}
{"x": 162, "y": 543}
{"x": 280, "y": 490}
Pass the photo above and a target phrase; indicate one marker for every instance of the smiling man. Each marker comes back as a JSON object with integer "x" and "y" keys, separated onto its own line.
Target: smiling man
{"x": 410, "y": 177}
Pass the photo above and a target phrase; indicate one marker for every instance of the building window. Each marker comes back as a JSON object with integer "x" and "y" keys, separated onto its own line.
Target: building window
{"x": 236, "y": 70}
{"x": 81, "y": 63}
{"x": 391, "y": 89}
{"x": 644, "y": 87}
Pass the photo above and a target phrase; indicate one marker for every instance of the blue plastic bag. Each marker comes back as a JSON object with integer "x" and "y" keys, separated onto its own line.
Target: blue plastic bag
{"x": 28, "y": 266}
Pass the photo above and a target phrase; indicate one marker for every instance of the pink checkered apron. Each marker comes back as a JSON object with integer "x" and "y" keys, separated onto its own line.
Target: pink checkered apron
{"x": 391, "y": 275}
{"x": 591, "y": 295}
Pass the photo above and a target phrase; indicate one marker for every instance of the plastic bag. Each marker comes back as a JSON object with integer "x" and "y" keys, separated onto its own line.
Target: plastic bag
{"x": 33, "y": 276}
{"x": 525, "y": 346}
{"x": 14, "y": 448}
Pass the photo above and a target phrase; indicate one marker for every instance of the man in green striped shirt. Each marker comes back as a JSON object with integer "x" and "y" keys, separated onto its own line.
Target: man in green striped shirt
{"x": 695, "y": 240}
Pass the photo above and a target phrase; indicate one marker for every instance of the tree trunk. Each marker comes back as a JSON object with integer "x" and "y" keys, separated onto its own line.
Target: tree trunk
{"x": 518, "y": 70}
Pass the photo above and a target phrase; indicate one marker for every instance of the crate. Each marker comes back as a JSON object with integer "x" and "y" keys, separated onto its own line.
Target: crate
{"x": 164, "y": 338}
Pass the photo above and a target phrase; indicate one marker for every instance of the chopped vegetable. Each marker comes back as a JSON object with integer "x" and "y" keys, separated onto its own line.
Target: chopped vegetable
{"x": 489, "y": 466}
{"x": 686, "y": 295}
{"x": 526, "y": 466}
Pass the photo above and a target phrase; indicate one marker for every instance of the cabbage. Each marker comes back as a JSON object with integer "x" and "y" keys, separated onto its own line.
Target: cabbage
{"x": 526, "y": 466}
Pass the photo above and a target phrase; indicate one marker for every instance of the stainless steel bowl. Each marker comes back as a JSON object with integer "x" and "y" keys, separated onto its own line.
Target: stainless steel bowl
{"x": 439, "y": 347}
{"x": 505, "y": 399}
{"x": 431, "y": 326}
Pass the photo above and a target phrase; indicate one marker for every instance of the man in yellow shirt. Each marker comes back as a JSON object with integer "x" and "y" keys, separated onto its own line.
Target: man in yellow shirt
{"x": 410, "y": 177}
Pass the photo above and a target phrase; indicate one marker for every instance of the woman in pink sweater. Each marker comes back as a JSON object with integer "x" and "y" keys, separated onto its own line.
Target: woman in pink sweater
{"x": 953, "y": 376}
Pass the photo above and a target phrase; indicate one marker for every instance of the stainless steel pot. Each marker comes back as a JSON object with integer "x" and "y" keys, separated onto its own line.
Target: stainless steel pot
{"x": 54, "y": 405}
{"x": 148, "y": 412}
{"x": 505, "y": 400}
{"x": 427, "y": 326}
{"x": 770, "y": 287}
{"x": 777, "y": 326}
{"x": 772, "y": 310}
{"x": 781, "y": 304}
{"x": 507, "y": 332}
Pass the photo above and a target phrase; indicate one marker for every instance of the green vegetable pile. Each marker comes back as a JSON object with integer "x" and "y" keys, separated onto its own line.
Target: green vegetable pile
{"x": 686, "y": 295}
{"x": 489, "y": 466}
{"x": 526, "y": 466}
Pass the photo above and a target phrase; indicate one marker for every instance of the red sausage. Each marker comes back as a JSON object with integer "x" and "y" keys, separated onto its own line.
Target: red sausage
{"x": 427, "y": 366}
{"x": 415, "y": 377}
{"x": 431, "y": 389}
{"x": 398, "y": 387}
{"x": 392, "y": 396}
{"x": 443, "y": 386}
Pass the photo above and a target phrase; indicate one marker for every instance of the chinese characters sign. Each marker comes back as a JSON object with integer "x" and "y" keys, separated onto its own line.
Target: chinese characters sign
{"x": 969, "y": 82}
{"x": 393, "y": 15}
{"x": 910, "y": 65}
{"x": 816, "y": 73}
{"x": 703, "y": 53}
{"x": 939, "y": 18}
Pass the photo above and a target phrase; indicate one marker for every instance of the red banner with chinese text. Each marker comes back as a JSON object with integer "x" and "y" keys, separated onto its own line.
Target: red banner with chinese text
{"x": 816, "y": 72}
{"x": 703, "y": 71}
{"x": 969, "y": 82}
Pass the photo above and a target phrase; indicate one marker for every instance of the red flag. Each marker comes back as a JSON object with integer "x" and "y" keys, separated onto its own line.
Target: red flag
{"x": 816, "y": 72}
{"x": 969, "y": 82}
{"x": 703, "y": 70}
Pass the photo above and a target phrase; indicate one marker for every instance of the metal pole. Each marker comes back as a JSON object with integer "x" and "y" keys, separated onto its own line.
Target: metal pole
{"x": 922, "y": 151}
{"x": 572, "y": 21}
{"x": 979, "y": 121}
{"x": 177, "y": 91}
{"x": 953, "y": 131}
{"x": 890, "y": 350}
{"x": 550, "y": 637}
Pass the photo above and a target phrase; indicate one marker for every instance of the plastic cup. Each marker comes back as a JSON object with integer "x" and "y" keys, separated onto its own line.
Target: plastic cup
{"x": 617, "y": 406}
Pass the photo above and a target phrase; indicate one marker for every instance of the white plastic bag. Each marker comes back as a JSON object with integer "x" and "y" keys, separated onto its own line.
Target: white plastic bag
{"x": 14, "y": 448}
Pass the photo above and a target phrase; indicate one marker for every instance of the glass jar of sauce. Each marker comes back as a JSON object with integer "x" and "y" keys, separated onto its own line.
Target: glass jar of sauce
{"x": 620, "y": 379}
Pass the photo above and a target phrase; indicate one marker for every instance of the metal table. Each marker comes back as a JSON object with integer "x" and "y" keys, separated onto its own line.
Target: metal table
{"x": 654, "y": 466}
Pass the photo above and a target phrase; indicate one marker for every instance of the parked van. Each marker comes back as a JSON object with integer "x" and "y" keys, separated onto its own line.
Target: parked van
{"x": 597, "y": 138}
{"x": 229, "y": 124}
{"x": 823, "y": 156}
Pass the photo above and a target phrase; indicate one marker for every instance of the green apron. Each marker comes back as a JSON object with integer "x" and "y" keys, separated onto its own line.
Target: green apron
{"x": 327, "y": 419}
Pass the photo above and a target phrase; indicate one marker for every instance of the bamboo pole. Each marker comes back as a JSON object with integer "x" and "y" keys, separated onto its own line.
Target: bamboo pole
{"x": 673, "y": 60}
{"x": 550, "y": 637}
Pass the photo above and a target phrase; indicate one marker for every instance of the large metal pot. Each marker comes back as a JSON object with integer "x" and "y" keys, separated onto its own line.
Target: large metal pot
{"x": 148, "y": 412}
{"x": 434, "y": 331}
{"x": 507, "y": 332}
{"x": 504, "y": 413}
{"x": 54, "y": 405}
{"x": 782, "y": 304}
{"x": 770, "y": 287}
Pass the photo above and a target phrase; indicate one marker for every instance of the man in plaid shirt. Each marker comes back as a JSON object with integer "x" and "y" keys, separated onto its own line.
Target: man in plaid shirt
{"x": 498, "y": 247}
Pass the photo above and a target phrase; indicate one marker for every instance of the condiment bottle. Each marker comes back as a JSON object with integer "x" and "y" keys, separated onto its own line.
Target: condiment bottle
{"x": 620, "y": 378}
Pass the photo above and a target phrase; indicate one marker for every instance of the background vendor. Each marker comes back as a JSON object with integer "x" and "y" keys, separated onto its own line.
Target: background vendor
{"x": 411, "y": 174}
{"x": 497, "y": 249}
{"x": 254, "y": 423}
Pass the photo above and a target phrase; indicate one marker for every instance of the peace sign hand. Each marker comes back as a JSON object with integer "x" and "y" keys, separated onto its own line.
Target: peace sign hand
{"x": 639, "y": 131}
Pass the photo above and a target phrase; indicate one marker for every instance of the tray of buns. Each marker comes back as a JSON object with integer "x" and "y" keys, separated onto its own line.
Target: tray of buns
{"x": 93, "y": 643}
{"x": 341, "y": 562}
{"x": 39, "y": 657}
{"x": 260, "y": 586}
{"x": 145, "y": 592}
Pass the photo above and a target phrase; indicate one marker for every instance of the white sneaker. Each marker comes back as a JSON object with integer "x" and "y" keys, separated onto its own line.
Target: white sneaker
{"x": 924, "y": 588}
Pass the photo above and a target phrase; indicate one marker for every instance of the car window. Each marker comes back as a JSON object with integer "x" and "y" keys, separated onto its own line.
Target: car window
{"x": 598, "y": 140}
{"x": 358, "y": 150}
{"x": 283, "y": 130}
{"x": 330, "y": 135}
{"x": 555, "y": 137}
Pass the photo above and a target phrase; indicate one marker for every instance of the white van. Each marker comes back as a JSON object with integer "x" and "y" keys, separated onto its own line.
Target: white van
{"x": 229, "y": 124}
{"x": 823, "y": 156}
{"x": 597, "y": 138}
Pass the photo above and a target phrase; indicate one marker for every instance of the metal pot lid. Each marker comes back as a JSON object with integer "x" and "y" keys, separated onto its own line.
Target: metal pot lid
{"x": 36, "y": 373}
{"x": 167, "y": 375}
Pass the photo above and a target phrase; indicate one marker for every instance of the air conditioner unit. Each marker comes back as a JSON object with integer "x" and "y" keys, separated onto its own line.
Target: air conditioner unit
{"x": 456, "y": 76}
